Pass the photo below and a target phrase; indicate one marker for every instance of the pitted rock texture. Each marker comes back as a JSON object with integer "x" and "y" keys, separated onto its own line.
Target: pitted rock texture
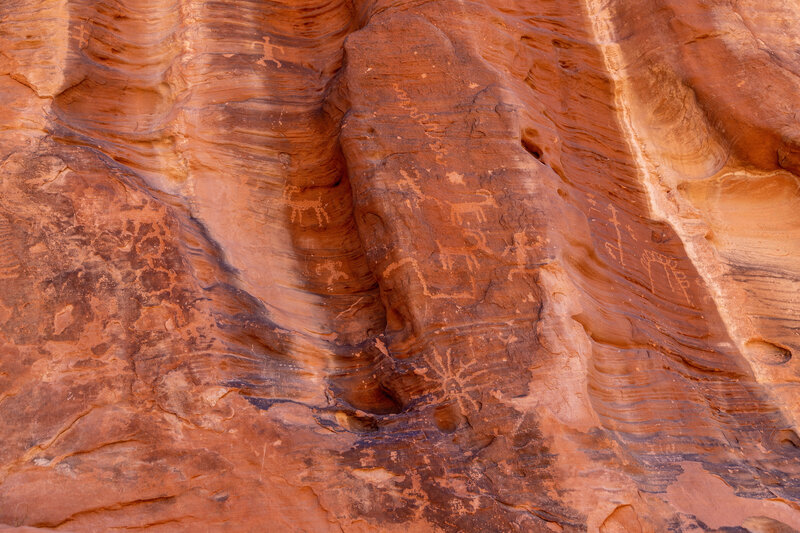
{"x": 398, "y": 265}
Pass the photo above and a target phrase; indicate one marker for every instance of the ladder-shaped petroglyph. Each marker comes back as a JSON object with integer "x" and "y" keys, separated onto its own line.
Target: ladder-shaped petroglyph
{"x": 520, "y": 249}
{"x": 414, "y": 267}
{"x": 431, "y": 130}
{"x": 300, "y": 205}
{"x": 615, "y": 250}
{"x": 472, "y": 211}
{"x": 453, "y": 378}
{"x": 675, "y": 278}
{"x": 269, "y": 53}
{"x": 449, "y": 255}
{"x": 10, "y": 266}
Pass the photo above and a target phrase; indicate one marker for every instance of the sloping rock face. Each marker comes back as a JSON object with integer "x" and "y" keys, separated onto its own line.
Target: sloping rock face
{"x": 400, "y": 265}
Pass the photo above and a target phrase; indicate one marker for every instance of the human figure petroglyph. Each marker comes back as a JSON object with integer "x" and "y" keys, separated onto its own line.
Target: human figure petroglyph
{"x": 449, "y": 255}
{"x": 615, "y": 250}
{"x": 675, "y": 278}
{"x": 520, "y": 248}
{"x": 269, "y": 53}
{"x": 333, "y": 270}
{"x": 460, "y": 211}
{"x": 299, "y": 206}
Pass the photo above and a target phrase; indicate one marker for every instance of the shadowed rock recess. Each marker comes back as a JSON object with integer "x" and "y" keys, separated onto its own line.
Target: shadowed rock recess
{"x": 400, "y": 265}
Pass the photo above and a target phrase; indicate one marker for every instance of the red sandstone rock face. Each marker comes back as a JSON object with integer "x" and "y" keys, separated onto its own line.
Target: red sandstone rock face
{"x": 317, "y": 265}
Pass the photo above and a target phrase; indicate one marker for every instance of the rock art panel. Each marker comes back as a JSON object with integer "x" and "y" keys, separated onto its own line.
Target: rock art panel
{"x": 372, "y": 265}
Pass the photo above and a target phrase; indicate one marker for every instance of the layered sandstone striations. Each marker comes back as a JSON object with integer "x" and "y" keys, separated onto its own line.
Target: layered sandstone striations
{"x": 399, "y": 265}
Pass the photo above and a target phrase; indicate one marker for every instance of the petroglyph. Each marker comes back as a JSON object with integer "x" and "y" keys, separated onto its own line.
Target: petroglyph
{"x": 631, "y": 232}
{"x": 350, "y": 311}
{"x": 269, "y": 53}
{"x": 455, "y": 177}
{"x": 298, "y": 206}
{"x": 472, "y": 210}
{"x": 333, "y": 271}
{"x": 379, "y": 344}
{"x": 414, "y": 265}
{"x": 521, "y": 249}
{"x": 431, "y": 130}
{"x": 83, "y": 36}
{"x": 454, "y": 378}
{"x": 10, "y": 266}
{"x": 411, "y": 189}
{"x": 449, "y": 255}
{"x": 675, "y": 278}
{"x": 615, "y": 250}
{"x": 508, "y": 339}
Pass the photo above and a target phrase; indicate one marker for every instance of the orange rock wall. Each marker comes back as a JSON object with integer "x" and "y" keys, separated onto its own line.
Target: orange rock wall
{"x": 375, "y": 265}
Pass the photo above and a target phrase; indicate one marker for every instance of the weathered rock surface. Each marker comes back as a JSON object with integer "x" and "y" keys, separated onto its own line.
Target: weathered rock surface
{"x": 397, "y": 265}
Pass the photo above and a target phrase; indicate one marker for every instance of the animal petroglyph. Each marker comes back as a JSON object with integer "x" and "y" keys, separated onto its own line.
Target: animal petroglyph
{"x": 472, "y": 210}
{"x": 675, "y": 278}
{"x": 299, "y": 206}
{"x": 414, "y": 266}
{"x": 449, "y": 255}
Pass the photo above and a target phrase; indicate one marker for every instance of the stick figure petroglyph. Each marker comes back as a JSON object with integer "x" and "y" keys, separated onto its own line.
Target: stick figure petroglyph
{"x": 615, "y": 250}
